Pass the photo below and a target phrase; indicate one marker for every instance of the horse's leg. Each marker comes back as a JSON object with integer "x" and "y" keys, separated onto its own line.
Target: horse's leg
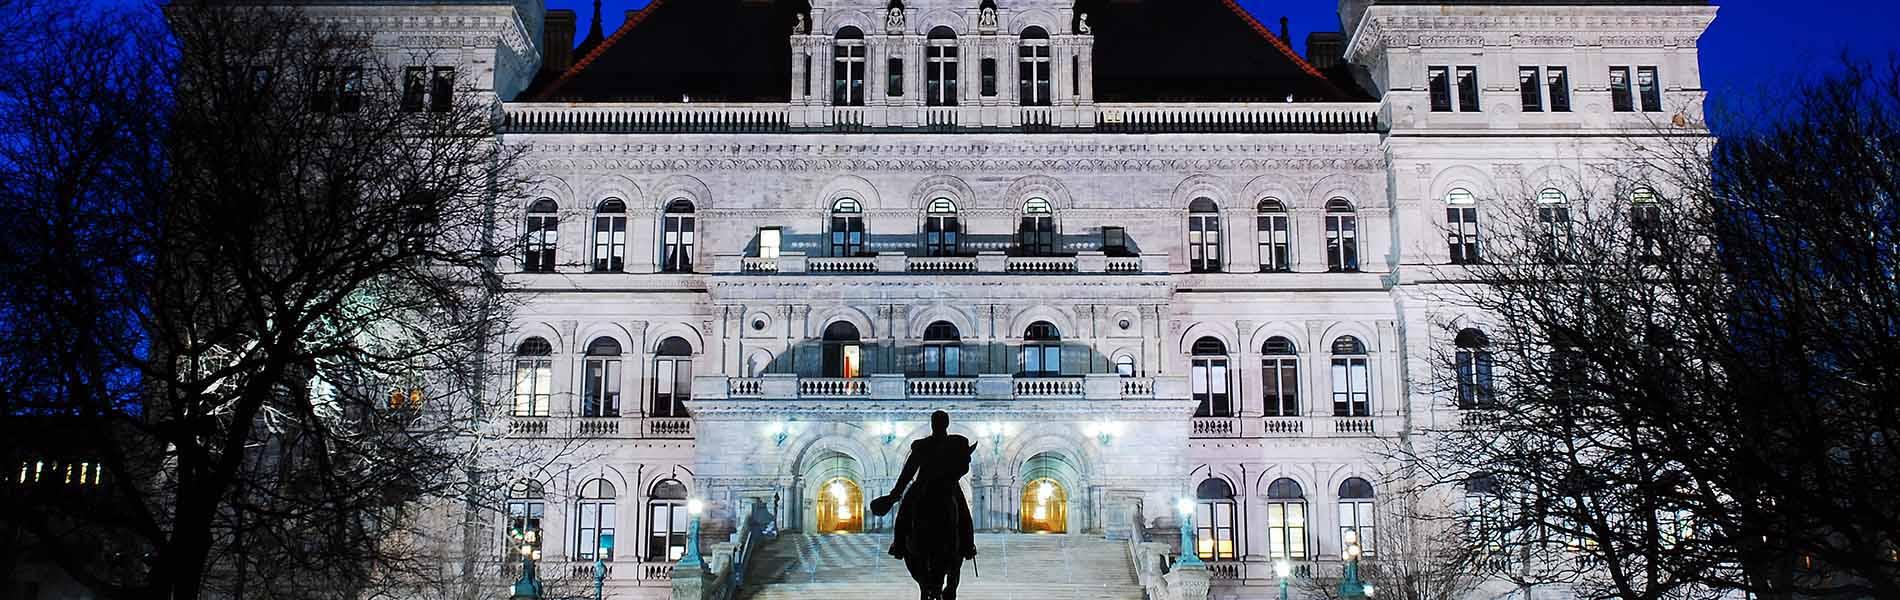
{"x": 919, "y": 568}
{"x": 951, "y": 578}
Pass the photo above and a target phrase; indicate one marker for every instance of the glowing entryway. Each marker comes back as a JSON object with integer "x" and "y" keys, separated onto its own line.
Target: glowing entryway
{"x": 840, "y": 506}
{"x": 1045, "y": 507}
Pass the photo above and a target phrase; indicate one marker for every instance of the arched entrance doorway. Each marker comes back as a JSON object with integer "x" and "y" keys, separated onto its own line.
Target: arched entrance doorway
{"x": 840, "y": 506}
{"x": 1045, "y": 507}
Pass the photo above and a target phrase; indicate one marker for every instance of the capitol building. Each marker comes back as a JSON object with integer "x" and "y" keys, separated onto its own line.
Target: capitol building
{"x": 1142, "y": 251}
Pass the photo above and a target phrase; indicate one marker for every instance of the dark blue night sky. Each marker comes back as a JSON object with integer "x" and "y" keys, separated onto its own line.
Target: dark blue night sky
{"x": 1755, "y": 46}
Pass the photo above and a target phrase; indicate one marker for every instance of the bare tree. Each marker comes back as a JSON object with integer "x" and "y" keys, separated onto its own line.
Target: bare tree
{"x": 257, "y": 279}
{"x": 1677, "y": 381}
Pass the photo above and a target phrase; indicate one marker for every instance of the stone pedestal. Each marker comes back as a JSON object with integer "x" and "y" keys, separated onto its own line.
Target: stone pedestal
{"x": 691, "y": 582}
{"x": 1185, "y": 582}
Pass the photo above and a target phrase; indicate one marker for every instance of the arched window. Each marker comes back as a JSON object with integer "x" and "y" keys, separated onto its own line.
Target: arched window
{"x": 847, "y": 228}
{"x": 677, "y": 239}
{"x": 610, "y": 235}
{"x": 843, "y": 356}
{"x": 1207, "y": 378}
{"x": 1356, "y": 518}
{"x": 534, "y": 377}
{"x": 1352, "y": 380}
{"x": 1646, "y": 222}
{"x": 940, "y": 68}
{"x": 1553, "y": 217}
{"x": 943, "y": 350}
{"x": 672, "y": 377}
{"x": 1342, "y": 236}
{"x": 1036, "y": 234}
{"x": 594, "y": 520}
{"x": 1203, "y": 236}
{"x": 1032, "y": 68}
{"x": 1125, "y": 365}
{"x": 847, "y": 68}
{"x": 666, "y": 521}
{"x": 1042, "y": 350}
{"x": 1280, "y": 377}
{"x": 600, "y": 391}
{"x": 1473, "y": 360}
{"x": 1461, "y": 226}
{"x": 1286, "y": 520}
{"x": 542, "y": 229}
{"x": 943, "y": 235}
{"x": 1214, "y": 520}
{"x": 1274, "y": 234}
{"x": 527, "y": 506}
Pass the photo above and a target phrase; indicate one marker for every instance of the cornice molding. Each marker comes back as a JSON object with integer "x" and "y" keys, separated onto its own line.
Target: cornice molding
{"x": 940, "y": 158}
{"x": 1530, "y": 30}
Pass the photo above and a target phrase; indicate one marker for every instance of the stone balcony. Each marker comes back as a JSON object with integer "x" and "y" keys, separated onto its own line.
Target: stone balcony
{"x": 1294, "y": 427}
{"x": 899, "y": 387}
{"x": 623, "y": 427}
{"x": 984, "y": 262}
{"x": 1107, "y": 117}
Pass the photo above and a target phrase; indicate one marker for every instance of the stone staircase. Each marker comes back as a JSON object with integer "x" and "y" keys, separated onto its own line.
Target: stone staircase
{"x": 1014, "y": 566}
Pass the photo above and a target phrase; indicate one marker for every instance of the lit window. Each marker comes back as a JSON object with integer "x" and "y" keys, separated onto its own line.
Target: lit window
{"x": 843, "y": 356}
{"x": 769, "y": 242}
{"x": 666, "y": 521}
{"x": 1214, "y": 520}
{"x": 1286, "y": 520}
{"x": 1352, "y": 381}
{"x": 534, "y": 377}
{"x": 527, "y": 506}
{"x": 1357, "y": 521}
{"x": 1204, "y": 249}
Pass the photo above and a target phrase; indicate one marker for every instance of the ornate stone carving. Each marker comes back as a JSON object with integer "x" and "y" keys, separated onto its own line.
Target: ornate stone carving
{"x": 894, "y": 19}
{"x": 986, "y": 19}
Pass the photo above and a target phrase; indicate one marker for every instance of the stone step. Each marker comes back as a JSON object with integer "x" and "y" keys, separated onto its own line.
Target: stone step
{"x": 856, "y": 567}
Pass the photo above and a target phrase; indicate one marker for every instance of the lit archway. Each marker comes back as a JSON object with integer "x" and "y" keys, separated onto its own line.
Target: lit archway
{"x": 1045, "y": 507}
{"x": 840, "y": 506}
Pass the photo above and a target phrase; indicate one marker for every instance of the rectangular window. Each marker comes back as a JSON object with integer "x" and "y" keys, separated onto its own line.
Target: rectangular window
{"x": 543, "y": 231}
{"x": 534, "y": 387}
{"x": 600, "y": 391}
{"x": 672, "y": 386}
{"x": 847, "y": 236}
{"x": 413, "y": 89}
{"x": 989, "y": 76}
{"x": 1342, "y": 243}
{"x": 1272, "y": 229}
{"x": 807, "y": 82}
{"x": 1474, "y": 378}
{"x": 1280, "y": 386}
{"x": 1286, "y": 530}
{"x": 595, "y": 521}
{"x": 610, "y": 242}
{"x": 1555, "y": 221}
{"x": 940, "y": 77}
{"x": 676, "y": 243}
{"x": 1356, "y": 523}
{"x": 847, "y": 79}
{"x": 1462, "y": 233}
{"x": 1115, "y": 242}
{"x": 894, "y": 77}
{"x": 1204, "y": 254}
{"x": 1438, "y": 80}
{"x": 1650, "y": 88}
{"x": 1530, "y": 88}
{"x": 768, "y": 242}
{"x": 1209, "y": 385}
{"x": 1214, "y": 528}
{"x": 1075, "y": 75}
{"x": 442, "y": 89}
{"x": 1620, "y": 99}
{"x": 1468, "y": 89}
{"x": 1557, "y": 79}
{"x": 1032, "y": 74}
{"x": 1352, "y": 395}
{"x": 666, "y": 527}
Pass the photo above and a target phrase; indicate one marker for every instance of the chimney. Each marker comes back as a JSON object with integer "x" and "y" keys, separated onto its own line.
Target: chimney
{"x": 1325, "y": 49}
{"x": 557, "y": 40}
{"x": 1284, "y": 36}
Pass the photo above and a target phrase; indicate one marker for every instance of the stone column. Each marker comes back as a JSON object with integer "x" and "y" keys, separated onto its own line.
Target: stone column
{"x": 1246, "y": 370}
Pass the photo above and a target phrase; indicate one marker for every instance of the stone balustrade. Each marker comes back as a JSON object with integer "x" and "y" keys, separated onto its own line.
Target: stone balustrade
{"x": 754, "y": 264}
{"x": 941, "y": 264}
{"x": 833, "y": 387}
{"x": 942, "y": 387}
{"x": 1276, "y": 426}
{"x": 1037, "y": 387}
{"x": 669, "y": 427}
{"x": 1116, "y": 117}
{"x": 1100, "y": 386}
{"x": 1040, "y": 264}
{"x": 1138, "y": 387}
{"x": 847, "y": 264}
{"x": 1238, "y": 117}
{"x": 746, "y": 387}
{"x": 983, "y": 262}
{"x": 1292, "y": 427}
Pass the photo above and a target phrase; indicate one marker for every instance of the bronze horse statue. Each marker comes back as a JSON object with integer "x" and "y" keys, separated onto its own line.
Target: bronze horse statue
{"x": 933, "y": 534}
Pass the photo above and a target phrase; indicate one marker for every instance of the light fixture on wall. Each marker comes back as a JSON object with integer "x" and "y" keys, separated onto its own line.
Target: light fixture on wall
{"x": 1104, "y": 432}
{"x": 780, "y": 431}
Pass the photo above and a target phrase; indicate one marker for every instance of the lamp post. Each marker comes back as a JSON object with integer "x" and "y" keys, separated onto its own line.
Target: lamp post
{"x": 600, "y": 564}
{"x": 693, "y": 507}
{"x": 528, "y": 586}
{"x": 1285, "y": 571}
{"x": 1188, "y": 556}
{"x": 1350, "y": 586}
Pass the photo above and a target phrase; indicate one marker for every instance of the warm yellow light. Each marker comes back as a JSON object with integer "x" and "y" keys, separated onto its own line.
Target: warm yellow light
{"x": 1041, "y": 513}
{"x": 1045, "y": 491}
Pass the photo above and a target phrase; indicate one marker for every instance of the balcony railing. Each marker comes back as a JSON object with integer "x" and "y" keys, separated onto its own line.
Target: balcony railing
{"x": 849, "y": 264}
{"x": 644, "y": 118}
{"x": 754, "y": 264}
{"x": 747, "y": 387}
{"x": 670, "y": 427}
{"x": 1277, "y": 426}
{"x": 942, "y": 387}
{"x": 1116, "y": 117}
{"x": 1238, "y": 117}
{"x": 1037, "y": 264}
{"x": 1352, "y": 425}
{"x": 1215, "y": 427}
{"x": 1050, "y": 386}
{"x": 833, "y": 387}
{"x": 1138, "y": 387}
{"x": 941, "y": 264}
{"x": 988, "y": 261}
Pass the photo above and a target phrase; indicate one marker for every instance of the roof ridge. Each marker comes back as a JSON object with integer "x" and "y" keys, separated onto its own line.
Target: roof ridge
{"x": 631, "y": 22}
{"x": 1280, "y": 44}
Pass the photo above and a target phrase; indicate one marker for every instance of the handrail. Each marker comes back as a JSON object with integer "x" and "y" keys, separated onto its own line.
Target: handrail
{"x": 756, "y": 528}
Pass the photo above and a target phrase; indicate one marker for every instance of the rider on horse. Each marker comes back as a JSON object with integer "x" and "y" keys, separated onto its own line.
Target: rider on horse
{"x": 933, "y": 532}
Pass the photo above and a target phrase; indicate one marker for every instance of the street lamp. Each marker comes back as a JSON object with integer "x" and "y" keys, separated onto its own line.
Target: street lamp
{"x": 600, "y": 564}
{"x": 693, "y": 507}
{"x": 1189, "y": 557}
{"x": 1284, "y": 571}
{"x": 1351, "y": 587}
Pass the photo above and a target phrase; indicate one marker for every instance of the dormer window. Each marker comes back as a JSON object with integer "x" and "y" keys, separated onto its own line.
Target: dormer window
{"x": 1032, "y": 68}
{"x": 847, "y": 68}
